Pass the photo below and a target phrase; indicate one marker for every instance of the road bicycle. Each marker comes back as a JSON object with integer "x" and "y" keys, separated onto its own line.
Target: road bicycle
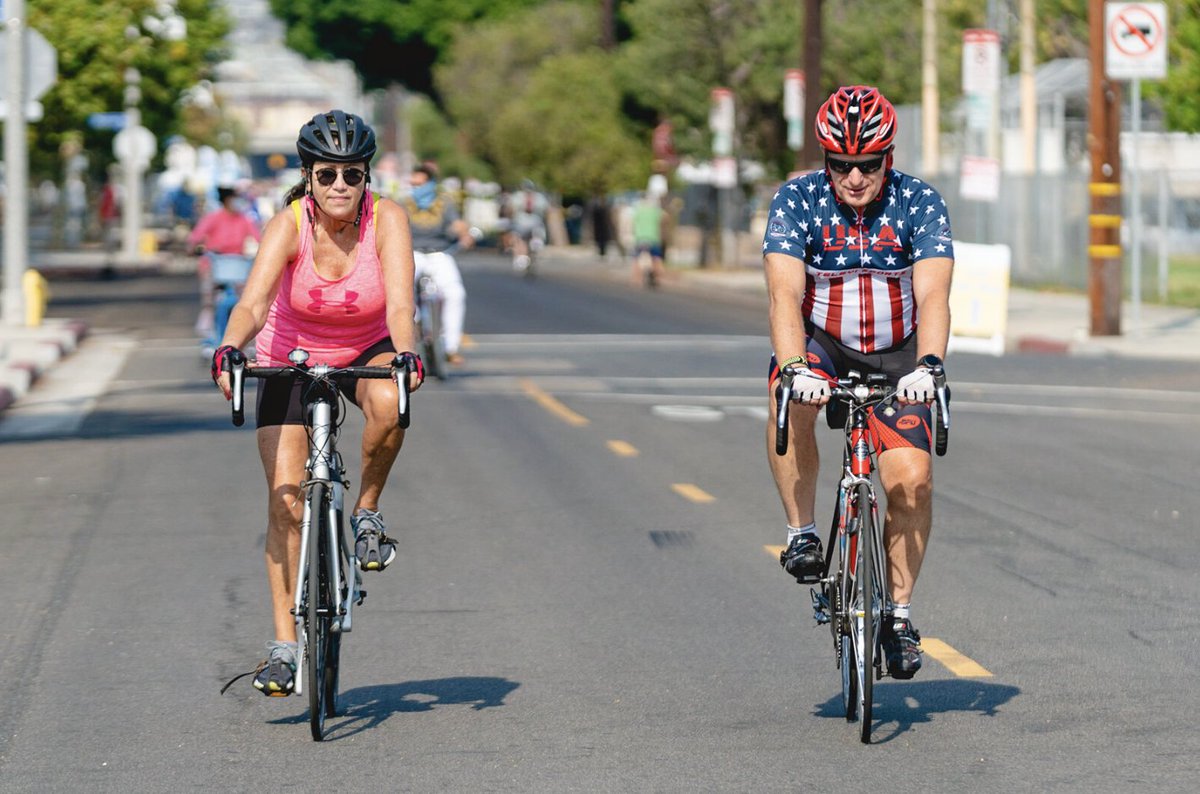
{"x": 328, "y": 579}
{"x": 852, "y": 598}
{"x": 429, "y": 327}
{"x": 229, "y": 274}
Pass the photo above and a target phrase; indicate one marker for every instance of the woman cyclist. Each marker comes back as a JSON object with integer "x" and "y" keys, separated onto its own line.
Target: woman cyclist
{"x": 334, "y": 276}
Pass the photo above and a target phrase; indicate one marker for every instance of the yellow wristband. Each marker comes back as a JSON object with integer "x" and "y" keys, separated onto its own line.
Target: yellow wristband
{"x": 801, "y": 360}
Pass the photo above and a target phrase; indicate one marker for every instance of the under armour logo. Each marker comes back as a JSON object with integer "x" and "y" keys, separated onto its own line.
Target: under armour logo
{"x": 320, "y": 303}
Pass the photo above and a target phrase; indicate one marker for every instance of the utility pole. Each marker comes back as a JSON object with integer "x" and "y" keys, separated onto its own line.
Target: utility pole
{"x": 814, "y": 95}
{"x": 1104, "y": 222}
{"x": 930, "y": 110}
{"x": 1029, "y": 108}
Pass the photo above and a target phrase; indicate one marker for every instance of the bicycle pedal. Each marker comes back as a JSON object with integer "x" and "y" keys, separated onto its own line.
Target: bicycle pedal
{"x": 362, "y": 596}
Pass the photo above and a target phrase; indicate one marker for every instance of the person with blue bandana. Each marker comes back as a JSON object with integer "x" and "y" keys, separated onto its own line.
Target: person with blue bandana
{"x": 436, "y": 225}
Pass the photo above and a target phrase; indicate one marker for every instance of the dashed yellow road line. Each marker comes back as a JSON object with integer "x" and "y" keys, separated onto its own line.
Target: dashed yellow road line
{"x": 552, "y": 405}
{"x": 623, "y": 448}
{"x": 962, "y": 666}
{"x": 467, "y": 342}
{"x": 693, "y": 493}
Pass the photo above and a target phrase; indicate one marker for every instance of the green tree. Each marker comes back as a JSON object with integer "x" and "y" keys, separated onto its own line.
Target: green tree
{"x": 1180, "y": 92}
{"x": 94, "y": 50}
{"x": 488, "y": 67}
{"x": 388, "y": 41}
{"x": 579, "y": 147}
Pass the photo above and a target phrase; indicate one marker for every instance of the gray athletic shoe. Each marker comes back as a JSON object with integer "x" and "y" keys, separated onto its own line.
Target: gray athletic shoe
{"x": 374, "y": 549}
{"x": 276, "y": 676}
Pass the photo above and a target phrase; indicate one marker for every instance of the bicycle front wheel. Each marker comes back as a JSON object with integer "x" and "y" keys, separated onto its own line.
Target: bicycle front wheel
{"x": 316, "y": 617}
{"x": 868, "y": 607}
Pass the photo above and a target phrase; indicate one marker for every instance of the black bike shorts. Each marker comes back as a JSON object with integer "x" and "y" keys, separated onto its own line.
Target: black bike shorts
{"x": 892, "y": 425}
{"x": 279, "y": 400}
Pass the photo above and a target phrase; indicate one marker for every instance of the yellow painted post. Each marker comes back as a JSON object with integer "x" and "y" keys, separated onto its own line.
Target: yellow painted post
{"x": 37, "y": 295}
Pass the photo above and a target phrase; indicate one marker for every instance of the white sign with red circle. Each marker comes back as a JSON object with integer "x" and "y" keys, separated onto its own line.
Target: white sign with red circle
{"x": 1135, "y": 41}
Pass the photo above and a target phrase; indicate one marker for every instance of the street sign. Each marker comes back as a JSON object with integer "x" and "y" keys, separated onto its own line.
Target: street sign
{"x": 113, "y": 120}
{"x": 1135, "y": 41}
{"x": 981, "y": 62}
{"x": 41, "y": 65}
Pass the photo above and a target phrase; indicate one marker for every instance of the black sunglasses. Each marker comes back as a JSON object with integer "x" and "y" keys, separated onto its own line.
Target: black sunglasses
{"x": 352, "y": 176}
{"x": 846, "y": 166}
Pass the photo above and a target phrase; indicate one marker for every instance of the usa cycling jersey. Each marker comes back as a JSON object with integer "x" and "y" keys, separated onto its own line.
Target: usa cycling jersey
{"x": 859, "y": 266}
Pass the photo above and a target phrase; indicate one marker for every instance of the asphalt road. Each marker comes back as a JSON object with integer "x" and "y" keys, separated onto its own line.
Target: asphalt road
{"x": 587, "y": 598}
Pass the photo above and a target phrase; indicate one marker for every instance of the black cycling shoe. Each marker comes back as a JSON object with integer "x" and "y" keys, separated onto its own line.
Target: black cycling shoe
{"x": 901, "y": 647}
{"x": 804, "y": 559}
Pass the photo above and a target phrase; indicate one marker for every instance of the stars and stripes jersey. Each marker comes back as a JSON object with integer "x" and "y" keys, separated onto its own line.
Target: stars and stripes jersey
{"x": 859, "y": 266}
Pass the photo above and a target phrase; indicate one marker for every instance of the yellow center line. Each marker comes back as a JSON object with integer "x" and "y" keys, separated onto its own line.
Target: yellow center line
{"x": 962, "y": 666}
{"x": 693, "y": 493}
{"x": 552, "y": 405}
{"x": 623, "y": 448}
{"x": 467, "y": 342}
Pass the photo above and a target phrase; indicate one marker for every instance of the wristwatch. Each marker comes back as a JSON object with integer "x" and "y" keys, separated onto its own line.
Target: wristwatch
{"x": 929, "y": 361}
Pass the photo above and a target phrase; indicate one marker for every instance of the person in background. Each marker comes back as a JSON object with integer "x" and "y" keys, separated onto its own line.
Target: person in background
{"x": 227, "y": 230}
{"x": 436, "y": 226}
{"x": 649, "y": 224}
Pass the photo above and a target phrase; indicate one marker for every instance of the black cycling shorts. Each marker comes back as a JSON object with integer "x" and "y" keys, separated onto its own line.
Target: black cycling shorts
{"x": 892, "y": 425}
{"x": 279, "y": 401}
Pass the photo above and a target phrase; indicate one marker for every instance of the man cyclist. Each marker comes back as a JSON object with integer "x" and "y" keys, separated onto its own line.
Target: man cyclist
{"x": 858, "y": 260}
{"x": 527, "y": 208}
{"x": 334, "y": 275}
{"x": 435, "y": 223}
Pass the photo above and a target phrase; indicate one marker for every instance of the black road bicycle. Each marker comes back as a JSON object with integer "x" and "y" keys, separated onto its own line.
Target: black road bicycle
{"x": 853, "y": 591}
{"x": 328, "y": 580}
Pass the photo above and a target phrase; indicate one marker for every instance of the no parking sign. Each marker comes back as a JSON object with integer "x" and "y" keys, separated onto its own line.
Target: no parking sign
{"x": 1135, "y": 41}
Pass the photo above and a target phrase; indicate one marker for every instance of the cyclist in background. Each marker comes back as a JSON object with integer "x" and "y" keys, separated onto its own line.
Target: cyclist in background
{"x": 334, "y": 275}
{"x": 436, "y": 225}
{"x": 227, "y": 230}
{"x": 527, "y": 208}
{"x": 858, "y": 261}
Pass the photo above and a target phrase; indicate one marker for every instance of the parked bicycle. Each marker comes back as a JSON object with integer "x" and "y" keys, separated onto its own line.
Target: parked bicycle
{"x": 329, "y": 583}
{"x": 852, "y": 598}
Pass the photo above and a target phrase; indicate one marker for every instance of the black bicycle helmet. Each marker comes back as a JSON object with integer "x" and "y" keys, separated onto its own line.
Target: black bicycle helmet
{"x": 336, "y": 137}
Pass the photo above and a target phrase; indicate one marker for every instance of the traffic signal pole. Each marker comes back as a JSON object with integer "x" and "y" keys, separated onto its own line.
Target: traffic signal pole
{"x": 1104, "y": 222}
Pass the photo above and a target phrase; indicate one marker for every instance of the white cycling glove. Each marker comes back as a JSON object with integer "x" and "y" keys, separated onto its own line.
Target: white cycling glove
{"x": 810, "y": 387}
{"x": 916, "y": 386}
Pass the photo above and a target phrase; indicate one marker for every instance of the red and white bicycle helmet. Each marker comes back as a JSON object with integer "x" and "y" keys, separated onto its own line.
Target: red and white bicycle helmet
{"x": 856, "y": 119}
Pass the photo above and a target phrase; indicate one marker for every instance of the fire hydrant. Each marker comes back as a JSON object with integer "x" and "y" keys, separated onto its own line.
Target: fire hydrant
{"x": 37, "y": 295}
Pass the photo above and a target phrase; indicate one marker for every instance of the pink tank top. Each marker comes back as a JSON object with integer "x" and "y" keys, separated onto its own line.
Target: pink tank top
{"x": 335, "y": 321}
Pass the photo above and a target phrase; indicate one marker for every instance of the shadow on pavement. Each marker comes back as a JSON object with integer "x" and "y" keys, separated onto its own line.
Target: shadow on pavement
{"x": 900, "y": 706}
{"x": 367, "y": 707}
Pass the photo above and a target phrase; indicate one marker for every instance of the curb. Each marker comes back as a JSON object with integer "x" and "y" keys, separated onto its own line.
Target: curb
{"x": 26, "y": 353}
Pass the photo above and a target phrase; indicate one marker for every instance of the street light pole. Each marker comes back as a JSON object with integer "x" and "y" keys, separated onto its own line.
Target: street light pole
{"x": 16, "y": 169}
{"x": 131, "y": 209}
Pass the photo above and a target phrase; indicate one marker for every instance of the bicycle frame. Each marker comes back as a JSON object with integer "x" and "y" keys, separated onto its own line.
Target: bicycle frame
{"x": 854, "y": 601}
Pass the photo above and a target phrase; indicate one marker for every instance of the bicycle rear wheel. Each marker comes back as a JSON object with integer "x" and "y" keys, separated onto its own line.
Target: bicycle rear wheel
{"x": 867, "y": 611}
{"x": 316, "y": 618}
